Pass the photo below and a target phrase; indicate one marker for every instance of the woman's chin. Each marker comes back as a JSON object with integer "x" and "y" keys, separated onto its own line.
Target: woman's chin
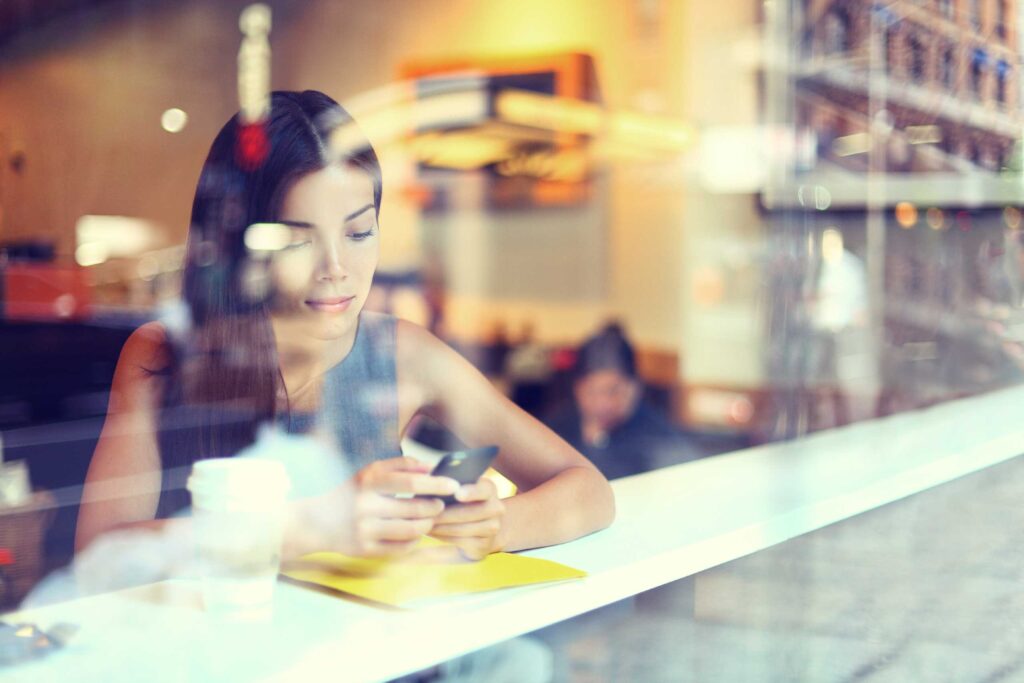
{"x": 330, "y": 326}
{"x": 318, "y": 324}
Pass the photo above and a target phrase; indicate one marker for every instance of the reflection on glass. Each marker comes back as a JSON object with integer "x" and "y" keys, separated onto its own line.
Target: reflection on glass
{"x": 803, "y": 215}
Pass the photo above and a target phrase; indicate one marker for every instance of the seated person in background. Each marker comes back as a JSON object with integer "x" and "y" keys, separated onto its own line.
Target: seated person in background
{"x": 528, "y": 372}
{"x": 609, "y": 421}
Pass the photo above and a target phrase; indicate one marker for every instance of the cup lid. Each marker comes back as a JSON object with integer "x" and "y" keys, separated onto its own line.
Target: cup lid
{"x": 252, "y": 478}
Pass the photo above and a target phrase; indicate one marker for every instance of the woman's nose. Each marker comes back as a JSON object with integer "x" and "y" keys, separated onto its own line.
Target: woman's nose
{"x": 332, "y": 263}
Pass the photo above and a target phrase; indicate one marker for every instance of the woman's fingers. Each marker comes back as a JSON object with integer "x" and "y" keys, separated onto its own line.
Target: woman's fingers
{"x": 387, "y": 548}
{"x": 405, "y": 476}
{"x": 386, "y": 525}
{"x": 378, "y": 536}
{"x": 484, "y": 528}
{"x": 373, "y": 505}
{"x": 401, "y": 530}
{"x": 474, "y": 502}
{"x": 415, "y": 483}
{"x": 382, "y": 468}
{"x": 484, "y": 489}
{"x": 476, "y": 550}
{"x": 471, "y": 512}
{"x": 474, "y": 546}
{"x": 474, "y": 525}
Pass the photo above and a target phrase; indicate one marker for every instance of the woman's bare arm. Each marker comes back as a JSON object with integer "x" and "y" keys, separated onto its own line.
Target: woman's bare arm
{"x": 562, "y": 495}
{"x": 122, "y": 486}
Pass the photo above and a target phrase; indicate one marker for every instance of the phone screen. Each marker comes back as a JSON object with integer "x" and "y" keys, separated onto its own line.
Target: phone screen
{"x": 465, "y": 467}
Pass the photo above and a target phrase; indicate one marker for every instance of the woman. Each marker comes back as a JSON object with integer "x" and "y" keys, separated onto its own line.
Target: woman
{"x": 278, "y": 334}
{"x": 609, "y": 421}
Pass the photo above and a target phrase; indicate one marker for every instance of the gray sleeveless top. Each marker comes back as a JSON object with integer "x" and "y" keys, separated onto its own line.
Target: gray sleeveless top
{"x": 359, "y": 407}
{"x": 359, "y": 404}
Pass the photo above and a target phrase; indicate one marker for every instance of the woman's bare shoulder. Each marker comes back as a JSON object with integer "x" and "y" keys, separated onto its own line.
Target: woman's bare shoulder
{"x": 431, "y": 362}
{"x": 416, "y": 346}
{"x": 421, "y": 358}
{"x": 146, "y": 349}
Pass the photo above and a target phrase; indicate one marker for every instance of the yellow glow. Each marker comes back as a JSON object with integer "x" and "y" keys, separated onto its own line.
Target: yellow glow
{"x": 831, "y": 245}
{"x": 121, "y": 236}
{"x": 732, "y": 159}
{"x": 569, "y": 165}
{"x": 511, "y": 131}
{"x": 848, "y": 145}
{"x": 569, "y": 115}
{"x": 920, "y": 135}
{"x": 255, "y": 19}
{"x": 384, "y": 121}
{"x": 349, "y": 139}
{"x": 447, "y": 109}
{"x": 935, "y": 218}
{"x": 254, "y": 63}
{"x": 91, "y": 254}
{"x": 174, "y": 120}
{"x": 554, "y": 113}
{"x": 606, "y": 150}
{"x": 906, "y": 215}
{"x": 394, "y": 94}
{"x": 658, "y": 132}
{"x": 463, "y": 150}
{"x": 267, "y": 236}
{"x": 526, "y": 27}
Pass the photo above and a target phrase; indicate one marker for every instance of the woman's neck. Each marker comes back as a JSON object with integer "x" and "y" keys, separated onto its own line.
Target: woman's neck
{"x": 304, "y": 360}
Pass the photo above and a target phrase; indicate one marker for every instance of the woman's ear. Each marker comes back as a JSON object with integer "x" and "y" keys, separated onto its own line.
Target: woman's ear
{"x": 636, "y": 392}
{"x": 577, "y": 390}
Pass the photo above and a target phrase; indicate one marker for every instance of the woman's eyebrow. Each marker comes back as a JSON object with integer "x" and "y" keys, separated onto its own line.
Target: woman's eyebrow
{"x": 306, "y": 224}
{"x": 358, "y": 212}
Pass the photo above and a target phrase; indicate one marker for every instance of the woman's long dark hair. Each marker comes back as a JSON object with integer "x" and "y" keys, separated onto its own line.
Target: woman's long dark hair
{"x": 223, "y": 376}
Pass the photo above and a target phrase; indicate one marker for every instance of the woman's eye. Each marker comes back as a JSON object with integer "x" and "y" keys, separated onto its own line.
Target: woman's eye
{"x": 359, "y": 236}
{"x": 298, "y": 244}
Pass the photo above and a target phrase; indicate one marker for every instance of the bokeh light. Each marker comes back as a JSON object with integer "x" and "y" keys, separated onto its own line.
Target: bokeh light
{"x": 906, "y": 215}
{"x": 174, "y": 120}
{"x": 935, "y": 218}
{"x": 1011, "y": 216}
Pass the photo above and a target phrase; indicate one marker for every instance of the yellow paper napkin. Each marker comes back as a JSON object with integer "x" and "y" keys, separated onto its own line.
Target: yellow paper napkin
{"x": 434, "y": 570}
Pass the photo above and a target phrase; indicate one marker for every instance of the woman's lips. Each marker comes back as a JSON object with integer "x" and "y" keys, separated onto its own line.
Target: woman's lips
{"x": 337, "y": 304}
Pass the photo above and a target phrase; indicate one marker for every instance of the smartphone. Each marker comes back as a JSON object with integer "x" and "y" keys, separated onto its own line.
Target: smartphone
{"x": 464, "y": 467}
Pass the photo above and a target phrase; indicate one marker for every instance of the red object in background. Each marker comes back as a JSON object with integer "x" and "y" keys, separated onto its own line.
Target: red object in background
{"x": 44, "y": 291}
{"x": 251, "y": 146}
{"x": 6, "y": 558}
{"x": 563, "y": 359}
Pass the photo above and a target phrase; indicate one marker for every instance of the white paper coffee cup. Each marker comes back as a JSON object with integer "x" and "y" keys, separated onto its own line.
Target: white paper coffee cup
{"x": 239, "y": 511}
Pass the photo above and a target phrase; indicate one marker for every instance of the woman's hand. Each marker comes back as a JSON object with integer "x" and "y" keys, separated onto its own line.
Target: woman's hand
{"x": 476, "y": 523}
{"x": 364, "y": 518}
{"x": 383, "y": 525}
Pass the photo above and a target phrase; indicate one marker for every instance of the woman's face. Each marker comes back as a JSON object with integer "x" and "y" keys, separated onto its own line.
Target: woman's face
{"x": 322, "y": 278}
{"x": 606, "y": 398}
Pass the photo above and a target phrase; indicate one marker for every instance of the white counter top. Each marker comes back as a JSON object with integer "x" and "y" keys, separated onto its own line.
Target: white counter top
{"x": 671, "y": 523}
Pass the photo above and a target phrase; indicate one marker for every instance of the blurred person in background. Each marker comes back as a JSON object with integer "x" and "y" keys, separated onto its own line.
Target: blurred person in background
{"x": 528, "y": 372}
{"x": 997, "y": 332}
{"x": 609, "y": 422}
{"x": 277, "y": 334}
{"x": 841, "y": 361}
{"x": 495, "y": 349}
